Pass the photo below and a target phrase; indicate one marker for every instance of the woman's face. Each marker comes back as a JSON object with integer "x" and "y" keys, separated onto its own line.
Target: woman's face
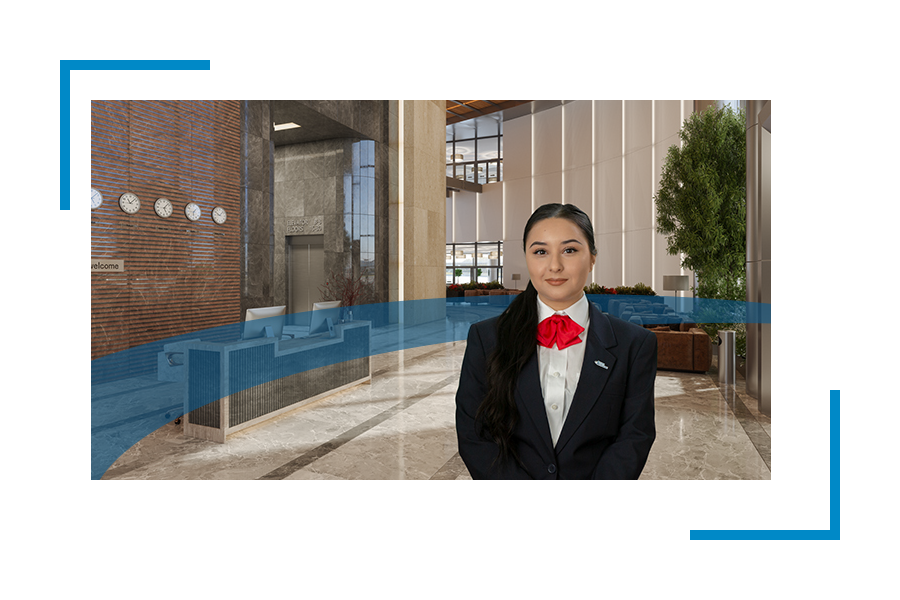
{"x": 559, "y": 260}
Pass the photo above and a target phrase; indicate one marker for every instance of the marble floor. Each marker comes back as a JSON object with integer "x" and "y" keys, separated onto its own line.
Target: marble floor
{"x": 401, "y": 426}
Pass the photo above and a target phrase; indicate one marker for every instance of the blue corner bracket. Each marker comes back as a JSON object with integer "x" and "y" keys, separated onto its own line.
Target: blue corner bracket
{"x": 65, "y": 124}
{"x": 832, "y": 533}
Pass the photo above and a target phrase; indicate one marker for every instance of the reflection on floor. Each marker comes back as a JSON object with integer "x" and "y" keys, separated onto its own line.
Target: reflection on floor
{"x": 401, "y": 426}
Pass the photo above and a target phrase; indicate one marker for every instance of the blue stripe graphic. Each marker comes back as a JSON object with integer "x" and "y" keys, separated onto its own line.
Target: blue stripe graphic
{"x": 136, "y": 391}
{"x": 834, "y": 530}
{"x": 65, "y": 121}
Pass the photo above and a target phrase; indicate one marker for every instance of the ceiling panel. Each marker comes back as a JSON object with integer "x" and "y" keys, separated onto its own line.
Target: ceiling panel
{"x": 461, "y": 110}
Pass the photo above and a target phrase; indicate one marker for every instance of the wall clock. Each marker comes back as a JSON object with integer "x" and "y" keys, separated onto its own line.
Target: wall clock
{"x": 130, "y": 203}
{"x": 163, "y": 207}
{"x": 218, "y": 215}
{"x": 192, "y": 211}
{"x": 96, "y": 199}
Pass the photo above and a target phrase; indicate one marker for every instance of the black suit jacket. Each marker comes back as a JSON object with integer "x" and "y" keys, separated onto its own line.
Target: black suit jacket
{"x": 610, "y": 426}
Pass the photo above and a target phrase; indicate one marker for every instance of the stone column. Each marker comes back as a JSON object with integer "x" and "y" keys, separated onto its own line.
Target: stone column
{"x": 257, "y": 206}
{"x": 759, "y": 249}
{"x": 417, "y": 202}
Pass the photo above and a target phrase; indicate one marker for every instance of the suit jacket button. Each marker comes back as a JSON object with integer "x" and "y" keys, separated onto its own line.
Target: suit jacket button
{"x": 551, "y": 468}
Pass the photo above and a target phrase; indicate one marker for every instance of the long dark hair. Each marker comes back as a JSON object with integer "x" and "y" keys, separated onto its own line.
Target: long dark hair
{"x": 517, "y": 341}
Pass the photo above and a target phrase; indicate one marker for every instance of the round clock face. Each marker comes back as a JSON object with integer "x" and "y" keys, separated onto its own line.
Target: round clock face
{"x": 219, "y": 215}
{"x": 192, "y": 211}
{"x": 129, "y": 203}
{"x": 163, "y": 207}
{"x": 96, "y": 199}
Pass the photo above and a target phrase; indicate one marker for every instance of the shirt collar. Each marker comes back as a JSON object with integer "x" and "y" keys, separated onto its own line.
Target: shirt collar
{"x": 578, "y": 312}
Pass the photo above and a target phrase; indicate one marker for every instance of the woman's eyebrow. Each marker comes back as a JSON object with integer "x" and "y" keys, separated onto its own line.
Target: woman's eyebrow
{"x": 537, "y": 243}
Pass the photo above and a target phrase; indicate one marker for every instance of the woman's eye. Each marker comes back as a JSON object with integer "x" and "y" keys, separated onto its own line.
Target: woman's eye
{"x": 570, "y": 250}
{"x": 540, "y": 251}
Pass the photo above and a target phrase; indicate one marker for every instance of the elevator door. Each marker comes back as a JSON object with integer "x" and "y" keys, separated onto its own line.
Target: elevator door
{"x": 306, "y": 269}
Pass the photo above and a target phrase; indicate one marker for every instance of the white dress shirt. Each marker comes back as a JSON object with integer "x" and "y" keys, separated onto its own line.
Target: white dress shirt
{"x": 561, "y": 369}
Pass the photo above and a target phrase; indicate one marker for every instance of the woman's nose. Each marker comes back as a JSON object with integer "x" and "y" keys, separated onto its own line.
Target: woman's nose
{"x": 555, "y": 263}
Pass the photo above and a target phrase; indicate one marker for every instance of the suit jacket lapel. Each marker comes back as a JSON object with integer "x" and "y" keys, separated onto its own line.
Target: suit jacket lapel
{"x": 593, "y": 378}
{"x": 529, "y": 395}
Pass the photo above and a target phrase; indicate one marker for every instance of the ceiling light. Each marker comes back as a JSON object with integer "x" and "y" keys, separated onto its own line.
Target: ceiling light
{"x": 285, "y": 126}
{"x": 457, "y": 157}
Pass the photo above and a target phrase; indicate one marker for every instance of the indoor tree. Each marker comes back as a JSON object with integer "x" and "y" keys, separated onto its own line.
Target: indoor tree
{"x": 701, "y": 202}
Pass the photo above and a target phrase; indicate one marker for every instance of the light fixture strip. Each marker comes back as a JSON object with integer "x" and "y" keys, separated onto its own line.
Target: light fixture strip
{"x": 532, "y": 162}
{"x": 594, "y": 176}
{"x": 652, "y": 186}
{"x": 400, "y": 215}
{"x": 623, "y": 192}
{"x": 681, "y": 254}
{"x": 562, "y": 143}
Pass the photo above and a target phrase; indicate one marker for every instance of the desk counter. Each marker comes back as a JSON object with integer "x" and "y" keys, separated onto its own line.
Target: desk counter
{"x": 232, "y": 386}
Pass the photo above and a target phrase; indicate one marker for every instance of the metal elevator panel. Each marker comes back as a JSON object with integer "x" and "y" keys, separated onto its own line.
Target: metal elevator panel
{"x": 306, "y": 273}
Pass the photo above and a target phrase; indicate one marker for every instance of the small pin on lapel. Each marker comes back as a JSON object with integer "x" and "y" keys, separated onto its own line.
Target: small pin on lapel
{"x": 600, "y": 363}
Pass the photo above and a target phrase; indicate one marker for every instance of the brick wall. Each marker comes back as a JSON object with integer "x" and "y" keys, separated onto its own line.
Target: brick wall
{"x": 180, "y": 276}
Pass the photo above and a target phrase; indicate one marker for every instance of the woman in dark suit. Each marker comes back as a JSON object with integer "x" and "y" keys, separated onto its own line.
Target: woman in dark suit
{"x": 553, "y": 388}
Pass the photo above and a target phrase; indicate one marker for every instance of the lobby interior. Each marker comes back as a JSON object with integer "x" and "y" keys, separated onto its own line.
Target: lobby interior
{"x": 381, "y": 192}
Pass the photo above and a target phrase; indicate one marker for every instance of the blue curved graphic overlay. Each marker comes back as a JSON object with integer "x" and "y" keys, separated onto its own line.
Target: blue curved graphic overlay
{"x": 137, "y": 391}
{"x": 668, "y": 310}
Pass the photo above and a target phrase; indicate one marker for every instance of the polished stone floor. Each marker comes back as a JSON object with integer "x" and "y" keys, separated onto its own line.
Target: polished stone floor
{"x": 401, "y": 426}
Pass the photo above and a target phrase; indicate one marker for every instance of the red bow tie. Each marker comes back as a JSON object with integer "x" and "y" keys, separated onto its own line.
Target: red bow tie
{"x": 559, "y": 330}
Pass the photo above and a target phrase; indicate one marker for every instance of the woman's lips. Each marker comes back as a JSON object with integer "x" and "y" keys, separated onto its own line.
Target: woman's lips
{"x": 556, "y": 281}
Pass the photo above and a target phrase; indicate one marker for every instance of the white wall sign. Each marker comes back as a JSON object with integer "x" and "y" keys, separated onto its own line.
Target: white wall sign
{"x": 104, "y": 265}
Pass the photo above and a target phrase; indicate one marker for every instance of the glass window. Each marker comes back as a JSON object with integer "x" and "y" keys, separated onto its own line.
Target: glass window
{"x": 465, "y": 255}
{"x": 480, "y": 262}
{"x": 487, "y": 125}
{"x": 465, "y": 151}
{"x": 492, "y": 175}
{"x": 487, "y": 148}
{"x": 464, "y": 130}
{"x": 476, "y": 144}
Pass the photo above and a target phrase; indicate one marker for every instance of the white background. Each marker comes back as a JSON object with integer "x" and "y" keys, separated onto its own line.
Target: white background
{"x": 834, "y": 219}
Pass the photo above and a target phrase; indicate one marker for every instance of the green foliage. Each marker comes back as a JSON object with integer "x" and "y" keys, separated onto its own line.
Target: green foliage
{"x": 701, "y": 206}
{"x": 596, "y": 288}
{"x": 458, "y": 272}
{"x": 640, "y": 289}
{"x": 701, "y": 203}
{"x": 474, "y": 285}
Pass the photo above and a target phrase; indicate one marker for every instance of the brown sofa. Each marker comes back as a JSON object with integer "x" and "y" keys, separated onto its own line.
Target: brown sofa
{"x": 687, "y": 350}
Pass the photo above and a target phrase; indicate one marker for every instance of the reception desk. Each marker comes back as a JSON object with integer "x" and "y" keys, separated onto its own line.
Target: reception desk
{"x": 232, "y": 386}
